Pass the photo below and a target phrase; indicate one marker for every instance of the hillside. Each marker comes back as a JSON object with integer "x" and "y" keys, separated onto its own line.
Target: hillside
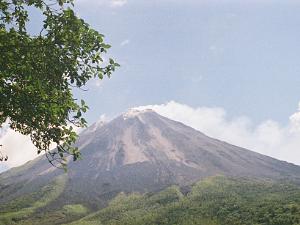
{"x": 213, "y": 201}
{"x": 137, "y": 152}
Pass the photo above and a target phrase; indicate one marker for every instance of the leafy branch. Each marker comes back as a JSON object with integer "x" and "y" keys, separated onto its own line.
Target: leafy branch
{"x": 37, "y": 73}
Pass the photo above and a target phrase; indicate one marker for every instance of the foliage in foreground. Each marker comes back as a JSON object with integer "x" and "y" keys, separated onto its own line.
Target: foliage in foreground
{"x": 38, "y": 72}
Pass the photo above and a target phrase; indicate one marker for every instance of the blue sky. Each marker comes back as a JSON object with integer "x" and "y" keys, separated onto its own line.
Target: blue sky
{"x": 228, "y": 68}
{"x": 239, "y": 56}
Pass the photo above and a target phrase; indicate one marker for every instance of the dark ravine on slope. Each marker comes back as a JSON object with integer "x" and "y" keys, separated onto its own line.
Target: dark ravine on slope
{"x": 140, "y": 151}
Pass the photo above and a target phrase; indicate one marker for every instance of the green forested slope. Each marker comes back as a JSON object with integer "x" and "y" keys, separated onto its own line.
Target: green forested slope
{"x": 214, "y": 201}
{"x": 217, "y": 200}
{"x": 25, "y": 206}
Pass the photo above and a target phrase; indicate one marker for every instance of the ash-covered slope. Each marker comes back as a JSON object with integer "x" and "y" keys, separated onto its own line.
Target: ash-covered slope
{"x": 142, "y": 151}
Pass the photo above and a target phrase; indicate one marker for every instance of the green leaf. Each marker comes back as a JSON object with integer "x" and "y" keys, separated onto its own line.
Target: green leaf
{"x": 44, "y": 69}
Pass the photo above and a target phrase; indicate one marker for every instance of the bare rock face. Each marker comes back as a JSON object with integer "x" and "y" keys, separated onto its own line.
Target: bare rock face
{"x": 143, "y": 151}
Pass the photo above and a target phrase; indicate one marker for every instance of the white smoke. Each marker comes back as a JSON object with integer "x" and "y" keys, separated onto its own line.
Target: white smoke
{"x": 269, "y": 137}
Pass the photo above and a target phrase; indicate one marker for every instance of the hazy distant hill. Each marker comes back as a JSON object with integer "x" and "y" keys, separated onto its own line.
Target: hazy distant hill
{"x": 139, "y": 151}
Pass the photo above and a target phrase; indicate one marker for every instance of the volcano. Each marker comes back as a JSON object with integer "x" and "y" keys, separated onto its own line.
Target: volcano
{"x": 139, "y": 151}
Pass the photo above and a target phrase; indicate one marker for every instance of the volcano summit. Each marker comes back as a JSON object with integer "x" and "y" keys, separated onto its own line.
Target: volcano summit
{"x": 139, "y": 151}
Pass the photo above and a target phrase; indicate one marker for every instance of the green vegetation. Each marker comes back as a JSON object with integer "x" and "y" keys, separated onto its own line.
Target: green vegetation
{"x": 213, "y": 201}
{"x": 75, "y": 209}
{"x": 59, "y": 216}
{"x": 38, "y": 72}
{"x": 21, "y": 208}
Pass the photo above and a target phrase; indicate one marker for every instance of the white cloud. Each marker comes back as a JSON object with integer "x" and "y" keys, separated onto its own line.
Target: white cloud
{"x": 117, "y": 3}
{"x": 109, "y": 3}
{"x": 212, "y": 48}
{"x": 269, "y": 137}
{"x": 98, "y": 83}
{"x": 125, "y": 42}
{"x": 18, "y": 147}
{"x": 196, "y": 79}
{"x": 95, "y": 83}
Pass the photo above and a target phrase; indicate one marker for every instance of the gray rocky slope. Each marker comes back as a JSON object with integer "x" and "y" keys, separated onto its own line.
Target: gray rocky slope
{"x": 145, "y": 152}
